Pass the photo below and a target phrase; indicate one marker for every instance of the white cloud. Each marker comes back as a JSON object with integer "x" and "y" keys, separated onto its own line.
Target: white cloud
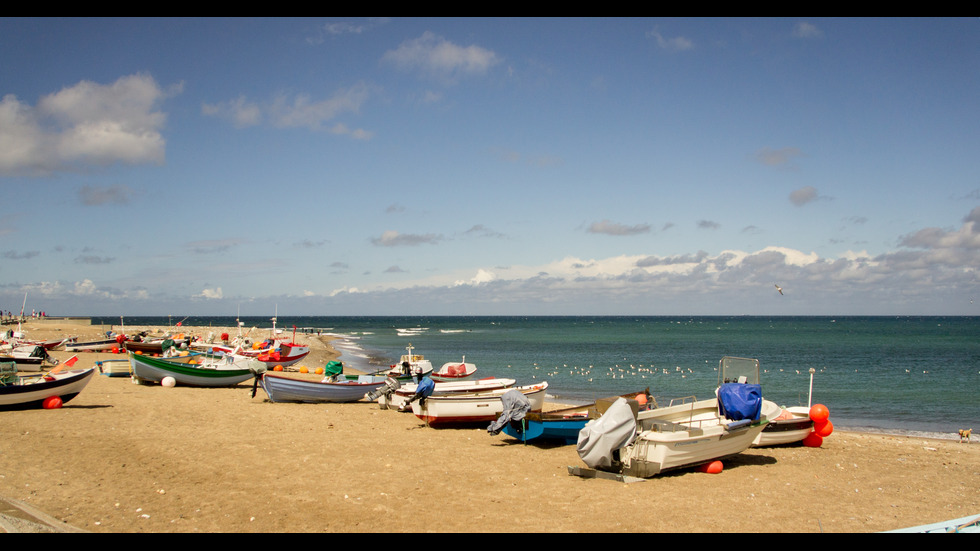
{"x": 391, "y": 238}
{"x": 88, "y": 124}
{"x": 806, "y": 30}
{"x": 296, "y": 111}
{"x": 437, "y": 56}
{"x": 677, "y": 44}
{"x": 613, "y": 228}
{"x": 211, "y": 293}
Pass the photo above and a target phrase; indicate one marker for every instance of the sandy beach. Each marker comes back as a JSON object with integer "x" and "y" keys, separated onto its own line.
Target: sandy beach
{"x": 123, "y": 457}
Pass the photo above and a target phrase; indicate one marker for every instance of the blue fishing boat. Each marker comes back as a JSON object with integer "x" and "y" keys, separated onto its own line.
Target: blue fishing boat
{"x": 563, "y": 425}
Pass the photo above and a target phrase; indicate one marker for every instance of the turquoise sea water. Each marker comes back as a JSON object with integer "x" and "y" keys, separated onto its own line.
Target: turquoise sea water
{"x": 915, "y": 375}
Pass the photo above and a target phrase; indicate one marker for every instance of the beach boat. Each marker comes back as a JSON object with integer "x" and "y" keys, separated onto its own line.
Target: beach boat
{"x": 96, "y": 345}
{"x": 563, "y": 425}
{"x": 29, "y": 392}
{"x": 473, "y": 407}
{"x": 788, "y": 425}
{"x": 640, "y": 445}
{"x": 288, "y": 389}
{"x": 398, "y": 398}
{"x": 157, "y": 345}
{"x": 115, "y": 368}
{"x": 453, "y": 371}
{"x": 196, "y": 370}
{"x": 413, "y": 365}
{"x": 30, "y": 357}
{"x": 962, "y": 525}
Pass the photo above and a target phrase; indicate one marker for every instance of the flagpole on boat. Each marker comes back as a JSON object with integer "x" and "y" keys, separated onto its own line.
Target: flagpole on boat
{"x": 809, "y": 397}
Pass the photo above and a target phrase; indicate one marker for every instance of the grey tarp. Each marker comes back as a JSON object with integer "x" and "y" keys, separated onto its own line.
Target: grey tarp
{"x": 516, "y": 405}
{"x": 600, "y": 438}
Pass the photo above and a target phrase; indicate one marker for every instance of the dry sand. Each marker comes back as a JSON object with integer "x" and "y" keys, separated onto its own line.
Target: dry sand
{"x": 123, "y": 457}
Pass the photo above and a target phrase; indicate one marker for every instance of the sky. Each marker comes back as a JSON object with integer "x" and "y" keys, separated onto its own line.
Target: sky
{"x": 366, "y": 166}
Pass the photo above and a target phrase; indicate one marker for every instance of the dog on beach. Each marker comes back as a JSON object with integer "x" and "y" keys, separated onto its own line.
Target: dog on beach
{"x": 965, "y": 434}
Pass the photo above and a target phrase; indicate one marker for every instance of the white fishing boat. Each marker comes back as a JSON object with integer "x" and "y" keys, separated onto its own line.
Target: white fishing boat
{"x": 398, "y": 398}
{"x": 413, "y": 365}
{"x": 473, "y": 407}
{"x": 454, "y": 371}
{"x": 789, "y": 425}
{"x": 24, "y": 392}
{"x": 643, "y": 444}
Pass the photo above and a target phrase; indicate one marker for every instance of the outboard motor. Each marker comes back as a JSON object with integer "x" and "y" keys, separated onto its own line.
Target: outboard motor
{"x": 390, "y": 386}
{"x": 516, "y": 405}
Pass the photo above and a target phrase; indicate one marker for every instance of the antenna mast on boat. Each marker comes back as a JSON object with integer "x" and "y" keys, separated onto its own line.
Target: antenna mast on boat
{"x": 809, "y": 397}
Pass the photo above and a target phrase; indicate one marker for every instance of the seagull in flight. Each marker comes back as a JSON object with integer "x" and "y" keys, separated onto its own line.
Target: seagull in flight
{"x": 778, "y": 288}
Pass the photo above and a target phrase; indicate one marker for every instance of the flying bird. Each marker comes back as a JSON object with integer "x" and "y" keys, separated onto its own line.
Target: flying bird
{"x": 778, "y": 288}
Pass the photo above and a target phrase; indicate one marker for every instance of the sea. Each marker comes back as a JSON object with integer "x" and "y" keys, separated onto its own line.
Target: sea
{"x": 904, "y": 375}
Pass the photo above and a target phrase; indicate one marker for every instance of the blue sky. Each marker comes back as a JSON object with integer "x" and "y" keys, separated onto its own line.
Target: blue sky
{"x": 490, "y": 166}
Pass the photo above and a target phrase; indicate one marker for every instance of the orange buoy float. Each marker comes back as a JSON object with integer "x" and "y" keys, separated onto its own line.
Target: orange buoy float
{"x": 277, "y": 368}
{"x": 813, "y": 440}
{"x": 819, "y": 412}
{"x": 823, "y": 429}
{"x": 51, "y": 402}
{"x": 302, "y": 369}
{"x": 319, "y": 371}
{"x": 713, "y": 467}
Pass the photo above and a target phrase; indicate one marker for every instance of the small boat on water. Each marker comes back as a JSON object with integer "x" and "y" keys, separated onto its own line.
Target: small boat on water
{"x": 563, "y": 425}
{"x": 400, "y": 397}
{"x": 196, "y": 370}
{"x": 288, "y": 389}
{"x": 29, "y": 392}
{"x": 454, "y": 371}
{"x": 473, "y": 407}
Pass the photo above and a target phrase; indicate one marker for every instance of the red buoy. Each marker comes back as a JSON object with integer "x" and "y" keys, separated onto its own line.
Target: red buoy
{"x": 813, "y": 440}
{"x": 51, "y": 402}
{"x": 819, "y": 412}
{"x": 713, "y": 467}
{"x": 823, "y": 429}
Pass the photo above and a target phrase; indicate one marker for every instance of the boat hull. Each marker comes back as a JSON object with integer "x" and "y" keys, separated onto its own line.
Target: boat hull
{"x": 115, "y": 368}
{"x": 453, "y": 372}
{"x": 473, "y": 408}
{"x": 66, "y": 385}
{"x": 684, "y": 436}
{"x": 288, "y": 389}
{"x": 188, "y": 374}
{"x": 400, "y": 397}
{"x": 790, "y": 427}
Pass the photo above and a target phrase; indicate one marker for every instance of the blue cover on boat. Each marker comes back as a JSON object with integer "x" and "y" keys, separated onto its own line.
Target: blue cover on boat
{"x": 738, "y": 401}
{"x": 425, "y": 388}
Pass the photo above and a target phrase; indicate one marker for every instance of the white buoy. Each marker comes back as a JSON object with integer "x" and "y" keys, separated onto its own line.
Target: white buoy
{"x": 168, "y": 382}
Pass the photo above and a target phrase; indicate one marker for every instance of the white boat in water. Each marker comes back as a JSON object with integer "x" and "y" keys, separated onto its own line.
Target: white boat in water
{"x": 473, "y": 407}
{"x": 454, "y": 371}
{"x": 398, "y": 398}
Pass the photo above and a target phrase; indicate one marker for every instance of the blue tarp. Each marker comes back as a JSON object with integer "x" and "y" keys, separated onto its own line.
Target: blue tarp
{"x": 738, "y": 401}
